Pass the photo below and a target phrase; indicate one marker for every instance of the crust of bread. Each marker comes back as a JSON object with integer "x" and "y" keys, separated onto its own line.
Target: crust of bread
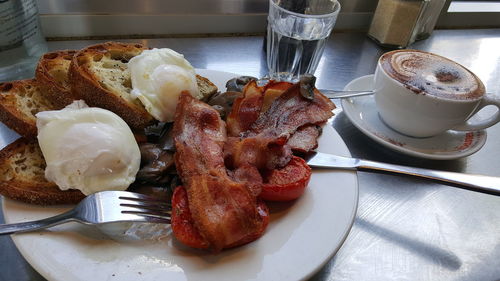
{"x": 206, "y": 87}
{"x": 52, "y": 76}
{"x": 19, "y": 102}
{"x": 88, "y": 84}
{"x": 22, "y": 176}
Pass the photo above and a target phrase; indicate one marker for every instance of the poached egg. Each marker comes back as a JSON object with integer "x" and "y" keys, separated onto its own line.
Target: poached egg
{"x": 158, "y": 78}
{"x": 87, "y": 148}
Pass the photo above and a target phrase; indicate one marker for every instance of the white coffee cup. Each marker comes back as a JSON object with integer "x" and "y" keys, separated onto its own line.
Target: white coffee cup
{"x": 421, "y": 94}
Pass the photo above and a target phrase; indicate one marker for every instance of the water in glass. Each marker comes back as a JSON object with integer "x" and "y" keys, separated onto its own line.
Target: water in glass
{"x": 295, "y": 42}
{"x": 21, "y": 39}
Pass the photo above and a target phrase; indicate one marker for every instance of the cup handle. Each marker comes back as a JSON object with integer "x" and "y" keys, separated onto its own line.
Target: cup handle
{"x": 485, "y": 123}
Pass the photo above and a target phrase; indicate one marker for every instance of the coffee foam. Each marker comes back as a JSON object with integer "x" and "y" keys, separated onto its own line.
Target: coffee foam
{"x": 427, "y": 73}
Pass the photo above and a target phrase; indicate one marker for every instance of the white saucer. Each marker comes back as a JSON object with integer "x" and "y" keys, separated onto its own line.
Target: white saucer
{"x": 363, "y": 113}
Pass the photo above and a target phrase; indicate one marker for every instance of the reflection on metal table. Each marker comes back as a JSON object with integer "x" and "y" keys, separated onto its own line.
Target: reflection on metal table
{"x": 405, "y": 228}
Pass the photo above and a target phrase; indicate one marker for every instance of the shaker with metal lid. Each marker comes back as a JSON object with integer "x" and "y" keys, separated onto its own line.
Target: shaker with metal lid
{"x": 427, "y": 20}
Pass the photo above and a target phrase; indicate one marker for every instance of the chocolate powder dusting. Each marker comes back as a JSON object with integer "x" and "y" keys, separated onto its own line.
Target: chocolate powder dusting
{"x": 426, "y": 73}
{"x": 446, "y": 76}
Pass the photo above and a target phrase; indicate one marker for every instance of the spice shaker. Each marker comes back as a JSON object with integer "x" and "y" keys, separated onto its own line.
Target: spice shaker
{"x": 394, "y": 21}
{"x": 21, "y": 39}
{"x": 427, "y": 20}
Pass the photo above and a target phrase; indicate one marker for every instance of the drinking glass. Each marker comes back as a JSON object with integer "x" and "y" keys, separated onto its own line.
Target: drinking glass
{"x": 21, "y": 39}
{"x": 297, "y": 32}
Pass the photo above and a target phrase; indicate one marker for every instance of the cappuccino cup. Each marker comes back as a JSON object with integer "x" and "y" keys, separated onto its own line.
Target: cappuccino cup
{"x": 422, "y": 94}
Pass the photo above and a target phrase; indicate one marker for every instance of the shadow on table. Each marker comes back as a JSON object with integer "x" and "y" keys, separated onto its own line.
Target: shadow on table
{"x": 427, "y": 251}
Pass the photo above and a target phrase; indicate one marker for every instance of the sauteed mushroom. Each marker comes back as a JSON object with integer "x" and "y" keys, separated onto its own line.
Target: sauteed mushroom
{"x": 223, "y": 102}
{"x": 236, "y": 84}
{"x": 157, "y": 158}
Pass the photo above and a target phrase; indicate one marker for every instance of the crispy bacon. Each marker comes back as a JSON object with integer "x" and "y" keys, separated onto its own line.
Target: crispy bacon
{"x": 224, "y": 211}
{"x": 252, "y": 104}
{"x": 250, "y": 176}
{"x": 273, "y": 90}
{"x": 277, "y": 110}
{"x": 305, "y": 138}
{"x": 246, "y": 109}
{"x": 291, "y": 111}
{"x": 261, "y": 152}
{"x": 222, "y": 175}
{"x": 264, "y": 145}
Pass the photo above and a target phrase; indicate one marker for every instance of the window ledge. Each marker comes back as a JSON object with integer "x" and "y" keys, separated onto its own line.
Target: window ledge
{"x": 473, "y": 7}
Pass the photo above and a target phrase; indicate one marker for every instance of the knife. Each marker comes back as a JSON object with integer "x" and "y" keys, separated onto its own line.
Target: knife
{"x": 480, "y": 183}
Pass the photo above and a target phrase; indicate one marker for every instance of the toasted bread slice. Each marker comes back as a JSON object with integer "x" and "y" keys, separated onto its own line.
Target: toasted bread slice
{"x": 206, "y": 87}
{"x": 22, "y": 176}
{"x": 100, "y": 75}
{"x": 52, "y": 76}
{"x": 19, "y": 102}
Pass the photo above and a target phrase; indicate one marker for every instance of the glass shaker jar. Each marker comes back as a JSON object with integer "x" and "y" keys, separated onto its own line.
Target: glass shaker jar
{"x": 21, "y": 39}
{"x": 427, "y": 20}
{"x": 394, "y": 22}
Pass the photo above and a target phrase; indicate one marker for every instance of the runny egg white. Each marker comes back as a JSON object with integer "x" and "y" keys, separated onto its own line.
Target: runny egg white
{"x": 158, "y": 78}
{"x": 87, "y": 148}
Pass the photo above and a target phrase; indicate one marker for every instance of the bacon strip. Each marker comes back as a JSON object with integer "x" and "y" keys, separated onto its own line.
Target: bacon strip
{"x": 305, "y": 138}
{"x": 225, "y": 212}
{"x": 246, "y": 109}
{"x": 263, "y": 153}
{"x": 264, "y": 146}
{"x": 222, "y": 203}
{"x": 291, "y": 111}
{"x": 272, "y": 91}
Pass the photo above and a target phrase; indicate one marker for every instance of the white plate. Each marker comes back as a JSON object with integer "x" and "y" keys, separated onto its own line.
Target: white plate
{"x": 301, "y": 238}
{"x": 362, "y": 111}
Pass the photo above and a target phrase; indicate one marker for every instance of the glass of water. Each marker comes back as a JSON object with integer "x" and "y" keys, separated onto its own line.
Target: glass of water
{"x": 297, "y": 32}
{"x": 21, "y": 39}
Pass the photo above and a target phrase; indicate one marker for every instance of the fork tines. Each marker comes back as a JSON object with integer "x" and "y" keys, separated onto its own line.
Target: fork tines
{"x": 150, "y": 207}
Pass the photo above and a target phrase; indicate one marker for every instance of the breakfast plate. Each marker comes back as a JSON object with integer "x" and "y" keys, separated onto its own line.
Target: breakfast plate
{"x": 362, "y": 112}
{"x": 302, "y": 236}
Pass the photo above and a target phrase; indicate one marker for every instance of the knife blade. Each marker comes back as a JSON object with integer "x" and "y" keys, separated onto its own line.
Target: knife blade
{"x": 479, "y": 183}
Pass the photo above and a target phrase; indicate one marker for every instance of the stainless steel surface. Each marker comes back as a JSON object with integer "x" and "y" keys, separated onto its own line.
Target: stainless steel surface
{"x": 405, "y": 228}
{"x": 83, "y": 18}
{"x": 335, "y": 94}
{"x": 479, "y": 183}
{"x": 102, "y": 207}
{"x": 177, "y": 7}
{"x": 152, "y": 6}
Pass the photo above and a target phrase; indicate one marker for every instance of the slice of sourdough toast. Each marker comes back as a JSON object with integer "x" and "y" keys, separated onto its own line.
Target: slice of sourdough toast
{"x": 99, "y": 74}
{"x": 19, "y": 102}
{"x": 22, "y": 176}
{"x": 52, "y": 76}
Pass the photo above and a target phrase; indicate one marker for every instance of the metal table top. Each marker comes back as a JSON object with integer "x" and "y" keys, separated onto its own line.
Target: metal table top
{"x": 405, "y": 228}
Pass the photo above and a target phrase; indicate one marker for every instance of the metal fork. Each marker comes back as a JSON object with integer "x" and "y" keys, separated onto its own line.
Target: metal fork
{"x": 103, "y": 207}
